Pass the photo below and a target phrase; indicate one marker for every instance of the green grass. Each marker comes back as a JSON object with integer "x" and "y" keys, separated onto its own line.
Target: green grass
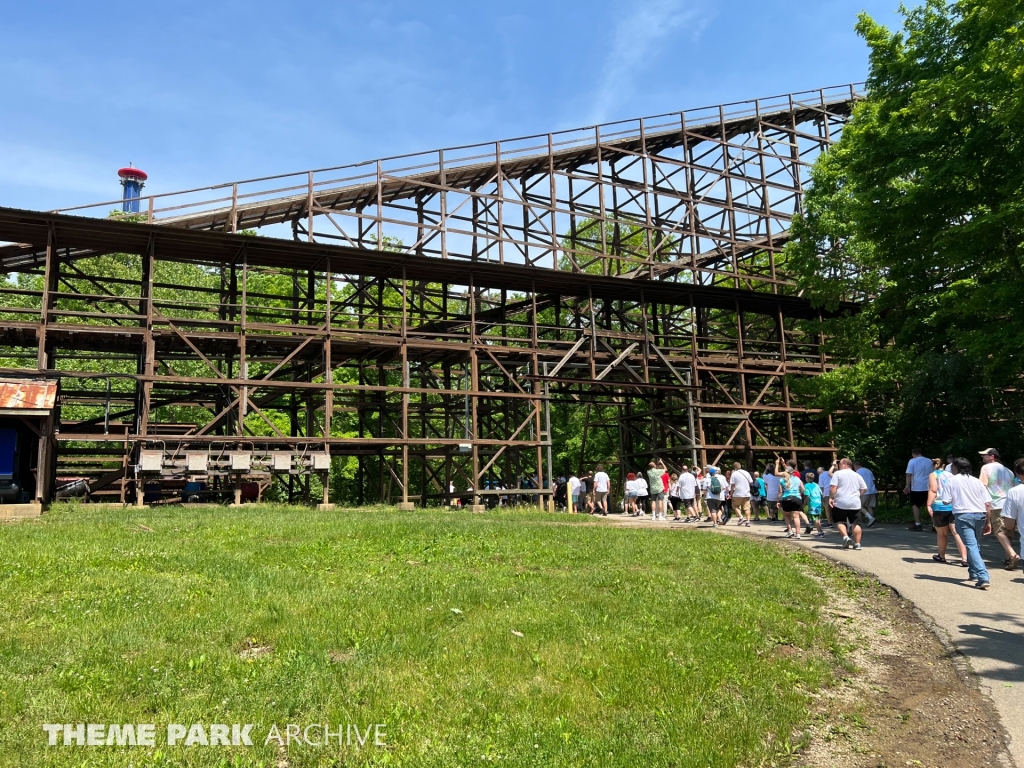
{"x": 637, "y": 647}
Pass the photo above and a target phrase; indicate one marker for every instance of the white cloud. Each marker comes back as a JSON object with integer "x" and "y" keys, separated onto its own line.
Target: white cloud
{"x": 638, "y": 39}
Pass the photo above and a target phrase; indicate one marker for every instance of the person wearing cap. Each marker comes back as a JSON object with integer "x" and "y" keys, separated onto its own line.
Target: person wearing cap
{"x": 998, "y": 480}
{"x": 711, "y": 498}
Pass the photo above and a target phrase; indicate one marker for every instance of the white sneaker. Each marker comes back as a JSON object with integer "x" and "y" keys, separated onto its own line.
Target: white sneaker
{"x": 847, "y": 541}
{"x": 798, "y": 536}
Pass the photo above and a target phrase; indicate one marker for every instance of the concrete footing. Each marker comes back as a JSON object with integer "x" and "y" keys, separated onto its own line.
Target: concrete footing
{"x": 406, "y": 506}
{"x": 20, "y": 511}
{"x": 477, "y": 507}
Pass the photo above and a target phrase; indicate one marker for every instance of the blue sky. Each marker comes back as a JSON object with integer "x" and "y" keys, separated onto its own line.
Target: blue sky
{"x": 204, "y": 92}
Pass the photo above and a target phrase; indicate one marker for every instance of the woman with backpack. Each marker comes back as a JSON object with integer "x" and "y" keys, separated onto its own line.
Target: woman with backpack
{"x": 940, "y": 508}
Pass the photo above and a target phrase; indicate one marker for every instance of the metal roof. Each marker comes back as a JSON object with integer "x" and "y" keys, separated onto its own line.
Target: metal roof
{"x": 27, "y": 398}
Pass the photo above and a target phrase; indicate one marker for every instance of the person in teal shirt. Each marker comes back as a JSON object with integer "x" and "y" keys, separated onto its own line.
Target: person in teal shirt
{"x": 812, "y": 492}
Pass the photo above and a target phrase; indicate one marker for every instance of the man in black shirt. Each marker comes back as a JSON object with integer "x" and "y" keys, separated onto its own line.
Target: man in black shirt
{"x": 587, "y": 481}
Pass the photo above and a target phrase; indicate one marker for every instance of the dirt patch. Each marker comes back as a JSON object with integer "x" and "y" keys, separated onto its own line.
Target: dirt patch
{"x": 253, "y": 649}
{"x": 909, "y": 699}
{"x": 341, "y": 657}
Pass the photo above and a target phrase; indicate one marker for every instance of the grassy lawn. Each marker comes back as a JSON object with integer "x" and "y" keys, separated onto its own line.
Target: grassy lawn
{"x": 510, "y": 637}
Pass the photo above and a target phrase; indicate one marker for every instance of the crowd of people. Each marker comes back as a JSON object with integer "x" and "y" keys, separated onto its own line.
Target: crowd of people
{"x": 843, "y": 496}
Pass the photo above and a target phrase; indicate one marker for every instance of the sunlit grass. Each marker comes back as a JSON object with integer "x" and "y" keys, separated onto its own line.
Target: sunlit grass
{"x": 515, "y": 637}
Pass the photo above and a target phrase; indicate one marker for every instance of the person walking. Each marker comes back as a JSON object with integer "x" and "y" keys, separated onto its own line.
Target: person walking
{"x": 656, "y": 488}
{"x": 756, "y": 496}
{"x": 629, "y": 495}
{"x": 940, "y": 507}
{"x": 812, "y": 492}
{"x": 1013, "y": 509}
{"x": 998, "y": 480}
{"x": 687, "y": 490}
{"x": 574, "y": 494}
{"x": 740, "y": 483}
{"x": 848, "y": 488}
{"x": 714, "y": 494}
{"x": 587, "y": 486}
{"x": 919, "y": 469}
{"x": 792, "y": 500}
{"x": 561, "y": 495}
{"x": 642, "y": 494}
{"x": 825, "y": 484}
{"x": 870, "y": 499}
{"x": 972, "y": 506}
{"x": 602, "y": 487}
{"x": 772, "y": 491}
{"x": 673, "y": 498}
{"x": 666, "y": 483}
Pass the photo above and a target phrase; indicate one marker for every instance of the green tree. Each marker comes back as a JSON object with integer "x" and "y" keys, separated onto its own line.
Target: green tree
{"x": 919, "y": 209}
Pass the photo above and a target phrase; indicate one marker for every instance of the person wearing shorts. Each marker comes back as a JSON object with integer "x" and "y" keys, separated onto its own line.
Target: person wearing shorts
{"x": 712, "y": 499}
{"x": 847, "y": 490}
{"x": 940, "y": 507}
{"x": 587, "y": 492}
{"x": 629, "y": 495}
{"x": 1013, "y": 509}
{"x": 919, "y": 469}
{"x": 998, "y": 480}
{"x": 686, "y": 488}
{"x": 740, "y": 483}
{"x": 656, "y": 488}
{"x": 870, "y": 499}
{"x": 642, "y": 497}
{"x": 602, "y": 487}
{"x": 756, "y": 496}
{"x": 574, "y": 493}
{"x": 792, "y": 500}
{"x": 812, "y": 492}
{"x": 673, "y": 497}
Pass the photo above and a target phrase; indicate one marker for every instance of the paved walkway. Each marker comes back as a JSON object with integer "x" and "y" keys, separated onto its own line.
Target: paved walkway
{"x": 987, "y": 627}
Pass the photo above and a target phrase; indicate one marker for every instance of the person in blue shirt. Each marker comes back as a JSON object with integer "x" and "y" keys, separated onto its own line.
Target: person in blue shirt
{"x": 940, "y": 509}
{"x": 812, "y": 492}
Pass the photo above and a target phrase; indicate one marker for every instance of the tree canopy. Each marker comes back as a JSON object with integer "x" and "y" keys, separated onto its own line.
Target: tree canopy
{"x": 919, "y": 210}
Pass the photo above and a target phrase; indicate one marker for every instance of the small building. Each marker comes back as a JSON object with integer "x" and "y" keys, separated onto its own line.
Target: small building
{"x": 27, "y": 445}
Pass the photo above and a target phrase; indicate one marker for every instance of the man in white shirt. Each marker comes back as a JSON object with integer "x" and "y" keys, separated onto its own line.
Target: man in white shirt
{"x": 1013, "y": 508}
{"x": 870, "y": 499}
{"x": 739, "y": 489}
{"x": 919, "y": 469}
{"x": 686, "y": 489}
{"x": 971, "y": 509}
{"x": 998, "y": 480}
{"x": 847, "y": 491}
{"x": 574, "y": 493}
{"x": 602, "y": 486}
